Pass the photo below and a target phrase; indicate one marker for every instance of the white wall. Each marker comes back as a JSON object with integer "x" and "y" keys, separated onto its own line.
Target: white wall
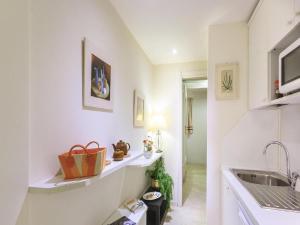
{"x": 57, "y": 119}
{"x": 236, "y": 136}
{"x": 289, "y": 135}
{"x": 167, "y": 97}
{"x": 243, "y": 145}
{"x": 14, "y": 58}
{"x": 227, "y": 43}
{"x": 89, "y": 205}
{"x": 197, "y": 142}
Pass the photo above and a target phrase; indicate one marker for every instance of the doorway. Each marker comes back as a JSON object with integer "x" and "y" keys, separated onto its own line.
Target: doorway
{"x": 194, "y": 149}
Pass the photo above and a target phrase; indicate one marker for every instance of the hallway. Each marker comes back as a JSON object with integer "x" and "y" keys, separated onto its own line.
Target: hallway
{"x": 193, "y": 211}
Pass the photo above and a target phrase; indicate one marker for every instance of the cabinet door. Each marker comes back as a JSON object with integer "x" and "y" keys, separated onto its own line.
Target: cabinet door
{"x": 230, "y": 206}
{"x": 297, "y": 7}
{"x": 258, "y": 58}
{"x": 297, "y": 11}
{"x": 281, "y": 19}
{"x": 272, "y": 20}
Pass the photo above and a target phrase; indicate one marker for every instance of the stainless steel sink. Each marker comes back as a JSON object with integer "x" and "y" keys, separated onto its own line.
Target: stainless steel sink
{"x": 263, "y": 178}
{"x": 270, "y": 189}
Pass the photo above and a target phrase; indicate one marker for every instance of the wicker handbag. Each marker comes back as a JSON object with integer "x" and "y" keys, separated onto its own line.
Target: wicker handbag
{"x": 80, "y": 161}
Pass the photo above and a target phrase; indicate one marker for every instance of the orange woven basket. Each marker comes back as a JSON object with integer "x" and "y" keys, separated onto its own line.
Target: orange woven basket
{"x": 80, "y": 161}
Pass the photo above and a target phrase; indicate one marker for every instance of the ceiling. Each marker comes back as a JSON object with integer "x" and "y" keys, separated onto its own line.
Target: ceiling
{"x": 165, "y": 27}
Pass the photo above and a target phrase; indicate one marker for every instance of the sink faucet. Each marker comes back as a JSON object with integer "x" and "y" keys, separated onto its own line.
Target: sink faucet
{"x": 291, "y": 178}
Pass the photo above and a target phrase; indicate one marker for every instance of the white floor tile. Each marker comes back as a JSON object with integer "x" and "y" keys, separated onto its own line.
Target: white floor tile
{"x": 193, "y": 211}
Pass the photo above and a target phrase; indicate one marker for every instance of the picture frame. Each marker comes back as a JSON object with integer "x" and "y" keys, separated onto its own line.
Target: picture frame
{"x": 97, "y": 85}
{"x": 138, "y": 109}
{"x": 227, "y": 81}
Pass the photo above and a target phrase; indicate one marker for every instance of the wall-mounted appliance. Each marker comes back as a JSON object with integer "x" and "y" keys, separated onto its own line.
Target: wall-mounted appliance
{"x": 289, "y": 68}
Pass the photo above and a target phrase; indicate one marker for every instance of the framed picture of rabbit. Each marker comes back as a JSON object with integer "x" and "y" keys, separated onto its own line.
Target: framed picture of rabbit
{"x": 97, "y": 78}
{"x": 227, "y": 81}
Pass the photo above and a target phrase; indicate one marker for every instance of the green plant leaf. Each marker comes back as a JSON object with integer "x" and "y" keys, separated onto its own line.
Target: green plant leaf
{"x": 158, "y": 172}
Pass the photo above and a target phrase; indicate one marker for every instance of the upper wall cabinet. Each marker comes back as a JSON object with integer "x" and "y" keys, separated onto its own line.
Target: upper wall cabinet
{"x": 297, "y": 10}
{"x": 270, "y": 22}
{"x": 258, "y": 69}
{"x": 281, "y": 19}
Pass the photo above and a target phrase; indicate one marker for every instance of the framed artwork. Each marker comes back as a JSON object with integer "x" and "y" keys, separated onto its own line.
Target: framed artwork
{"x": 97, "y": 79}
{"x": 138, "y": 109}
{"x": 227, "y": 81}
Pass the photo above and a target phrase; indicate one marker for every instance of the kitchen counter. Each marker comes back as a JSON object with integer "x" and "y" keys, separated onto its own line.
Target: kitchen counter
{"x": 259, "y": 215}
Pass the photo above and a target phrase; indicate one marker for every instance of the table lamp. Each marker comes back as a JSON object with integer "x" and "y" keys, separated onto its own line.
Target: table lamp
{"x": 158, "y": 122}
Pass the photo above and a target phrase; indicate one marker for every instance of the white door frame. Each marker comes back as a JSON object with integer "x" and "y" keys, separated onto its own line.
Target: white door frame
{"x": 183, "y": 76}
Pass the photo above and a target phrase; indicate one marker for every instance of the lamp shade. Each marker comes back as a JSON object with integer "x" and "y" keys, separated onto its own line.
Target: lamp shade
{"x": 157, "y": 122}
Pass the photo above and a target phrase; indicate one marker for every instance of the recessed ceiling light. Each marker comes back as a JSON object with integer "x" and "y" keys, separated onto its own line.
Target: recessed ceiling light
{"x": 174, "y": 51}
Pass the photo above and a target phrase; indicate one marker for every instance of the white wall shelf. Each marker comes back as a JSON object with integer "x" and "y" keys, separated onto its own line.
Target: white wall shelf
{"x": 58, "y": 184}
{"x": 292, "y": 99}
{"x": 139, "y": 216}
{"x": 143, "y": 162}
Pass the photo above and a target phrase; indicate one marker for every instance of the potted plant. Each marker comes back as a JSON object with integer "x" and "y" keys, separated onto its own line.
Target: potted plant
{"x": 161, "y": 180}
{"x": 148, "y": 146}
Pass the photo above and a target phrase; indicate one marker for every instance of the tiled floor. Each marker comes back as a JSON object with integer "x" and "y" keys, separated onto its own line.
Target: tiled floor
{"x": 193, "y": 211}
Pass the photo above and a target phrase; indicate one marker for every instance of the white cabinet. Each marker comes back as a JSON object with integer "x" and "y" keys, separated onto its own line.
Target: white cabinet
{"x": 297, "y": 11}
{"x": 258, "y": 57}
{"x": 281, "y": 19}
{"x": 230, "y": 206}
{"x": 233, "y": 213}
{"x": 271, "y": 21}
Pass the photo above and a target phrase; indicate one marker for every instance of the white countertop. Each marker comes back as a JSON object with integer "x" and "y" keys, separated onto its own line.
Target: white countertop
{"x": 261, "y": 215}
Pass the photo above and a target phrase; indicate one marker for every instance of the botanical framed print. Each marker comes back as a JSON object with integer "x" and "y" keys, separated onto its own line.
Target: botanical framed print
{"x": 138, "y": 109}
{"x": 227, "y": 81}
{"x": 97, "y": 79}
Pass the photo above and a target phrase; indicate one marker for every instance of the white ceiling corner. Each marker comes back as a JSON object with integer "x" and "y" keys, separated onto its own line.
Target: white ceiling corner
{"x": 159, "y": 26}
